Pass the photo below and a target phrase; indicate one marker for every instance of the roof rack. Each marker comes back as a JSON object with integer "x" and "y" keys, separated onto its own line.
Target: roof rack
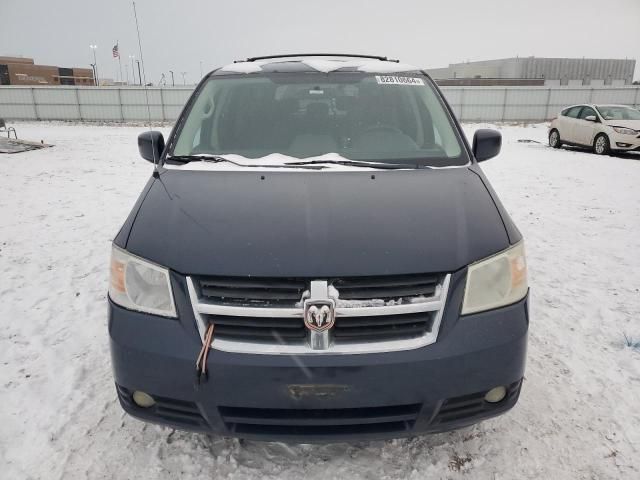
{"x": 269, "y": 57}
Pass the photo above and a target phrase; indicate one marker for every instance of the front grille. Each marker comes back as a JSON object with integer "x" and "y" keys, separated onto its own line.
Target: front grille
{"x": 251, "y": 314}
{"x": 472, "y": 405}
{"x": 386, "y": 288}
{"x": 291, "y": 330}
{"x": 252, "y": 291}
{"x": 385, "y": 327}
{"x": 177, "y": 412}
{"x": 270, "y": 329}
{"x": 320, "y": 422}
{"x": 267, "y": 292}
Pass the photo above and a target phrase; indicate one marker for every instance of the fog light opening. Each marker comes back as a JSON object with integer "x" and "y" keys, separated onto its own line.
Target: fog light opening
{"x": 496, "y": 395}
{"x": 143, "y": 399}
{"x": 623, "y": 145}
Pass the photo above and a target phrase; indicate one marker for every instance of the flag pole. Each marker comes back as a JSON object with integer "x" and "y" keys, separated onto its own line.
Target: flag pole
{"x": 119, "y": 61}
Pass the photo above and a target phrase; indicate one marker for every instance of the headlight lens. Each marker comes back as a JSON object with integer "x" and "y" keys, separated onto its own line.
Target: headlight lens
{"x": 625, "y": 131}
{"x": 140, "y": 285}
{"x": 496, "y": 281}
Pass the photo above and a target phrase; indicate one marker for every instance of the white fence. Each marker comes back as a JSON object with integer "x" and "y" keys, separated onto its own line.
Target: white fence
{"x": 530, "y": 103}
{"x": 122, "y": 104}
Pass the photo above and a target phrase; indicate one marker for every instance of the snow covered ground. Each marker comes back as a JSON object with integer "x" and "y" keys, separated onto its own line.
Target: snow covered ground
{"x": 579, "y": 413}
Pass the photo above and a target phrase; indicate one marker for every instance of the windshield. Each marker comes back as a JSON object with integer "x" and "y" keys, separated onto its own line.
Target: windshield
{"x": 618, "y": 113}
{"x": 356, "y": 116}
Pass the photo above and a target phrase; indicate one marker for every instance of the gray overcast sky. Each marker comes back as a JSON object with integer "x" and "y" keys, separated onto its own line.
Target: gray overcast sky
{"x": 177, "y": 35}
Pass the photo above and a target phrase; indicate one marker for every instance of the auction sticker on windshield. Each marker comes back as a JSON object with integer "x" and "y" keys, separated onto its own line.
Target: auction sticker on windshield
{"x": 393, "y": 80}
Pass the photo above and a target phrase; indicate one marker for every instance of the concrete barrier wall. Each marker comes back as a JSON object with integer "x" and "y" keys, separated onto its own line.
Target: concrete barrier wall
{"x": 124, "y": 104}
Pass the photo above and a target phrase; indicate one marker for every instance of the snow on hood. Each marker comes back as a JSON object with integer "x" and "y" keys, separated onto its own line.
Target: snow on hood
{"x": 273, "y": 162}
{"x": 276, "y": 161}
{"x": 269, "y": 162}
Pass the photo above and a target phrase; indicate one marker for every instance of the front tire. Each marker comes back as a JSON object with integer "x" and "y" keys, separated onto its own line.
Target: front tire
{"x": 601, "y": 145}
{"x": 554, "y": 139}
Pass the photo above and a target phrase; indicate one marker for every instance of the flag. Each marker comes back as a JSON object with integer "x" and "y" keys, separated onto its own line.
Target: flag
{"x": 116, "y": 53}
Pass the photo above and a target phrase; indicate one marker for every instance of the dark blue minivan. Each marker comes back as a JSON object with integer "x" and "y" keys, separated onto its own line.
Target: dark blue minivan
{"x": 318, "y": 257}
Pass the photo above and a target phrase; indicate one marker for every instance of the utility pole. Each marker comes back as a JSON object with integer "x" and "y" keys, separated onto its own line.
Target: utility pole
{"x": 133, "y": 70}
{"x": 139, "y": 74}
{"x": 93, "y": 68}
{"x": 184, "y": 81}
{"x": 173, "y": 83}
{"x": 95, "y": 65}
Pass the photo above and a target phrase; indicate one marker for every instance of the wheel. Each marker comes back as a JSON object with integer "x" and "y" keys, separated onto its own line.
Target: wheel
{"x": 601, "y": 145}
{"x": 554, "y": 139}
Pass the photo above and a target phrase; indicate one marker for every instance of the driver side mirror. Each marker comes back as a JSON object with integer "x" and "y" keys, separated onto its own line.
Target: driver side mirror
{"x": 486, "y": 144}
{"x": 151, "y": 145}
{"x": 591, "y": 118}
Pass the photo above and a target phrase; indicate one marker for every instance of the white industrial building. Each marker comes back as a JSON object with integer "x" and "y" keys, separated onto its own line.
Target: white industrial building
{"x": 554, "y": 71}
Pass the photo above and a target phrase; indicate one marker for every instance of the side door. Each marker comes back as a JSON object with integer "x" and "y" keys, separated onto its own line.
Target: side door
{"x": 586, "y": 130}
{"x": 567, "y": 124}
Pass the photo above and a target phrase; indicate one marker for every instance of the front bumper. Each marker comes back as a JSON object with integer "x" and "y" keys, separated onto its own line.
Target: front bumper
{"x": 326, "y": 397}
{"x": 624, "y": 143}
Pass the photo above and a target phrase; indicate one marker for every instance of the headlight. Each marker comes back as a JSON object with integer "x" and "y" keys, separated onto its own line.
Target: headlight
{"x": 625, "y": 131}
{"x": 140, "y": 285}
{"x": 496, "y": 281}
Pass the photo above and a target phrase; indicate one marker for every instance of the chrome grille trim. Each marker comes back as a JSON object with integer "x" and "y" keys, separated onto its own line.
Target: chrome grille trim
{"x": 433, "y": 304}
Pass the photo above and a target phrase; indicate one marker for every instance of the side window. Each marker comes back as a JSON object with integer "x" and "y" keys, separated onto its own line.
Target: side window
{"x": 574, "y": 111}
{"x": 196, "y": 139}
{"x": 193, "y": 137}
{"x": 586, "y": 111}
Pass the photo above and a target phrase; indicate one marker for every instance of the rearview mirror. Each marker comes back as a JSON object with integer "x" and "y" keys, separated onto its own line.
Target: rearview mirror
{"x": 591, "y": 118}
{"x": 151, "y": 145}
{"x": 486, "y": 144}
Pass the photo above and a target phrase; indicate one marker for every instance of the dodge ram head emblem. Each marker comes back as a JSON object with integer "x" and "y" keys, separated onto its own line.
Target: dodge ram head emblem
{"x": 319, "y": 315}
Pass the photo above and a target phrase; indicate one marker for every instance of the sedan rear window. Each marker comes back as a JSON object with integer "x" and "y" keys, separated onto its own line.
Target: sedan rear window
{"x": 358, "y": 116}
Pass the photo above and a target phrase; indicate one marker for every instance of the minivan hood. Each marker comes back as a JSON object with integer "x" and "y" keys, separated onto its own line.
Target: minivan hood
{"x": 317, "y": 224}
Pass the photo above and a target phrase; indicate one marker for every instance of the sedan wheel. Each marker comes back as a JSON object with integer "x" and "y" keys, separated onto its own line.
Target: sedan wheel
{"x": 554, "y": 139}
{"x": 601, "y": 145}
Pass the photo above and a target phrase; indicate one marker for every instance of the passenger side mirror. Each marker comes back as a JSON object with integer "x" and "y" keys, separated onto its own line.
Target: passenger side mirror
{"x": 486, "y": 144}
{"x": 151, "y": 145}
{"x": 591, "y": 118}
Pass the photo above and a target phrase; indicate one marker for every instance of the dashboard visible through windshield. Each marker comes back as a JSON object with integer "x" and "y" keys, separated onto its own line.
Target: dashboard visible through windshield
{"x": 356, "y": 116}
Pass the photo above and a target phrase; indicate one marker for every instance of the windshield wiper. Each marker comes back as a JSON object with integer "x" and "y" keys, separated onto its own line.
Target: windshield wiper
{"x": 195, "y": 158}
{"x": 315, "y": 164}
{"x": 357, "y": 163}
{"x": 184, "y": 159}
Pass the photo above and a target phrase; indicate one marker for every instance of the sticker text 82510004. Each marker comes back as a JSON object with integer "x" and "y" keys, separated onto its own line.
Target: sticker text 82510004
{"x": 393, "y": 80}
